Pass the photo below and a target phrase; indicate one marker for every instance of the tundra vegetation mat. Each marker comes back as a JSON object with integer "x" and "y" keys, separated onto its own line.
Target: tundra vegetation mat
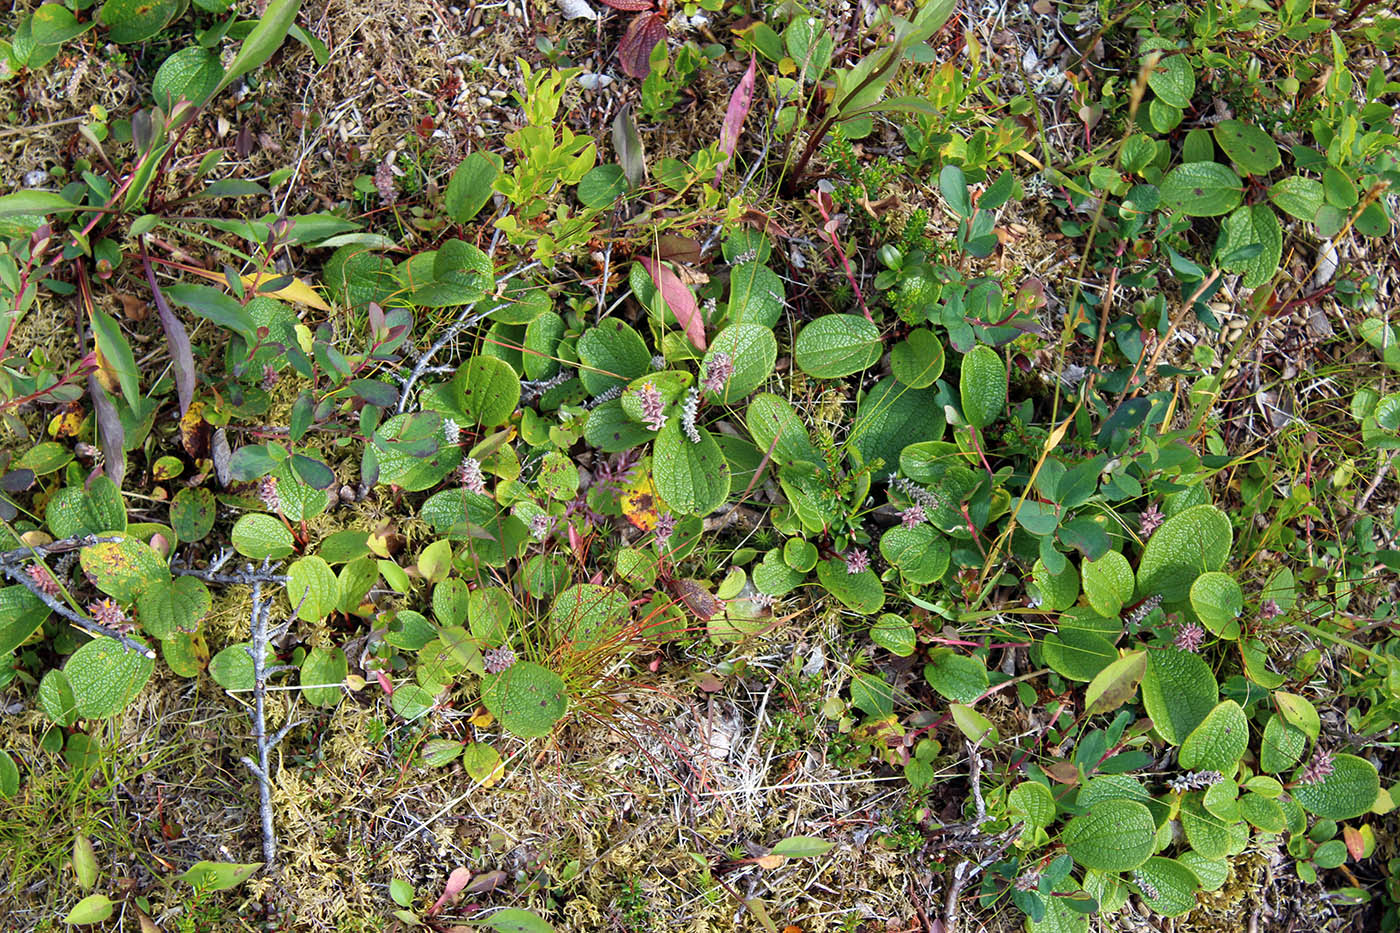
{"x": 654, "y": 466}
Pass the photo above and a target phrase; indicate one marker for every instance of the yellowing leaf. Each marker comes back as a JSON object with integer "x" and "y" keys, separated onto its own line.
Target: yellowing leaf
{"x": 296, "y": 291}
{"x": 68, "y": 424}
{"x": 639, "y": 501}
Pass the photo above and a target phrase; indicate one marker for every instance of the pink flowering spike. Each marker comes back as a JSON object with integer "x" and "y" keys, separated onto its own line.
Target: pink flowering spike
{"x": 678, "y": 298}
{"x": 456, "y": 883}
{"x": 857, "y": 561}
{"x": 739, "y": 103}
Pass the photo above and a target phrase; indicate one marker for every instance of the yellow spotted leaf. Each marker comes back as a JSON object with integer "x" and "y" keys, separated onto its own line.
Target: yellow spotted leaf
{"x": 639, "y": 502}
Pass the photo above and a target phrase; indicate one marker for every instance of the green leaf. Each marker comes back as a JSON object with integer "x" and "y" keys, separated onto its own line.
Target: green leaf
{"x": 872, "y": 694}
{"x": 752, "y": 349}
{"x": 612, "y": 354}
{"x": 1248, "y": 146}
{"x": 755, "y": 295}
{"x": 131, "y": 21}
{"x": 84, "y": 862}
{"x": 860, "y": 592}
{"x": 917, "y": 361}
{"x": 56, "y": 698}
{"x": 214, "y": 306}
{"x": 471, "y": 185}
{"x": 1108, "y": 583}
{"x": 1033, "y": 801}
{"x": 411, "y": 702}
{"x": 265, "y": 39}
{"x": 1218, "y": 601}
{"x": 396, "y": 444}
{"x": 921, "y": 554}
{"x": 602, "y": 186}
{"x": 312, "y": 589}
{"x": 218, "y": 876}
{"x": 45, "y": 458}
{"x": 1263, "y": 813}
{"x": 1348, "y": 792}
{"x": 40, "y": 203}
{"x": 895, "y": 635}
{"x": 1282, "y": 745}
{"x": 1058, "y": 591}
{"x": 260, "y": 536}
{"x": 190, "y": 74}
{"x": 1297, "y": 196}
{"x": 1202, "y": 189}
{"x": 112, "y": 345}
{"x": 75, "y": 511}
{"x": 401, "y": 891}
{"x": 1188, "y": 544}
{"x": 54, "y": 24}
{"x": 837, "y": 345}
{"x": 956, "y": 677}
{"x": 1167, "y": 886}
{"x": 774, "y": 426}
{"x": 1077, "y": 654}
{"x": 528, "y": 699}
{"x": 94, "y": 908}
{"x": 9, "y": 776}
{"x": 21, "y": 614}
{"x": 480, "y": 761}
{"x": 891, "y": 416}
{"x": 233, "y": 668}
{"x": 692, "y": 478}
{"x": 1211, "y": 873}
{"x": 515, "y": 920}
{"x": 803, "y": 847}
{"x": 1116, "y": 835}
{"x": 952, "y": 184}
{"x": 1251, "y": 226}
{"x": 1173, "y": 81}
{"x": 586, "y": 615}
{"x": 123, "y": 568}
{"x": 105, "y": 677}
{"x": 322, "y": 672}
{"x": 977, "y": 728}
{"x": 1218, "y": 743}
{"x": 178, "y": 606}
{"x": 1178, "y": 692}
{"x": 982, "y": 386}
{"x": 1116, "y": 684}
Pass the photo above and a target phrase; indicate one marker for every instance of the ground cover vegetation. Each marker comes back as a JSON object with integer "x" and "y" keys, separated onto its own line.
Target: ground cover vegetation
{"x": 640, "y": 466}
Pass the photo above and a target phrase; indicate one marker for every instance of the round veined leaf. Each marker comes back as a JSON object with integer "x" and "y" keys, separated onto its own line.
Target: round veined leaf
{"x": 586, "y": 614}
{"x": 1211, "y": 873}
{"x": 1188, "y": 544}
{"x": 56, "y": 698}
{"x": 260, "y": 536}
{"x": 9, "y": 775}
{"x": 490, "y": 390}
{"x": 105, "y": 677}
{"x": 177, "y": 606}
{"x": 54, "y": 24}
{"x": 800, "y": 555}
{"x": 837, "y": 345}
{"x": 190, "y": 74}
{"x": 1060, "y": 917}
{"x": 1108, "y": 583}
{"x": 1167, "y": 886}
{"x": 74, "y": 510}
{"x": 775, "y": 427}
{"x": 691, "y": 478}
{"x": 1202, "y": 189}
{"x": 192, "y": 513}
{"x": 528, "y": 699}
{"x": 1075, "y": 654}
{"x": 1116, "y": 835}
{"x": 1218, "y": 601}
{"x": 603, "y": 185}
{"x": 124, "y": 568}
{"x": 755, "y": 295}
{"x": 1218, "y": 743}
{"x": 132, "y": 21}
{"x": 1345, "y": 794}
{"x": 411, "y": 701}
{"x": 1178, "y": 692}
{"x": 45, "y": 458}
{"x": 233, "y": 668}
{"x": 185, "y": 654}
{"x": 917, "y": 361}
{"x": 322, "y": 673}
{"x": 1057, "y": 591}
{"x": 613, "y": 354}
{"x": 956, "y": 677}
{"x": 1116, "y": 684}
{"x": 1263, "y": 813}
{"x": 890, "y": 417}
{"x": 861, "y": 592}
{"x": 1282, "y": 745}
{"x": 752, "y": 349}
{"x": 94, "y": 908}
{"x": 1173, "y": 81}
{"x": 558, "y": 476}
{"x": 921, "y": 554}
{"x": 1298, "y": 196}
{"x": 401, "y": 467}
{"x": 312, "y": 588}
{"x": 1033, "y": 801}
{"x": 1248, "y": 227}
{"x": 894, "y": 634}
{"x": 515, "y": 920}
{"x": 982, "y": 386}
{"x": 1248, "y": 146}
{"x": 774, "y": 577}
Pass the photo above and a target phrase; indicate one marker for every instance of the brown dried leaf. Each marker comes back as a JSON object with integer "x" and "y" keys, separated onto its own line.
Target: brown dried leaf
{"x": 630, "y": 6}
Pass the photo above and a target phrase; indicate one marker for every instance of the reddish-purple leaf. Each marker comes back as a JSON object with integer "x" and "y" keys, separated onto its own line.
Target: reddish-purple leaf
{"x": 634, "y": 52}
{"x": 181, "y": 356}
{"x": 679, "y": 299}
{"x": 487, "y": 881}
{"x": 630, "y": 6}
{"x": 739, "y": 103}
{"x": 110, "y": 434}
{"x": 456, "y": 882}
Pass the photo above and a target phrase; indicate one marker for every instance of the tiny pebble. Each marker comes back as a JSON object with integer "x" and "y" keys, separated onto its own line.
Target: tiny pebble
{"x": 35, "y": 178}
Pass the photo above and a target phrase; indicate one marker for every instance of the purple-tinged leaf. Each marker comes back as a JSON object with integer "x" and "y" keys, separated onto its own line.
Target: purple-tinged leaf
{"x": 110, "y": 436}
{"x": 679, "y": 299}
{"x": 739, "y": 103}
{"x": 178, "y": 340}
{"x": 629, "y": 6}
{"x": 634, "y": 52}
{"x": 456, "y": 882}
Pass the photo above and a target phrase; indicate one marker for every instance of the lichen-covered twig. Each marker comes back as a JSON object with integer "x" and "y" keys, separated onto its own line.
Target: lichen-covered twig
{"x": 12, "y": 565}
{"x": 966, "y": 870}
